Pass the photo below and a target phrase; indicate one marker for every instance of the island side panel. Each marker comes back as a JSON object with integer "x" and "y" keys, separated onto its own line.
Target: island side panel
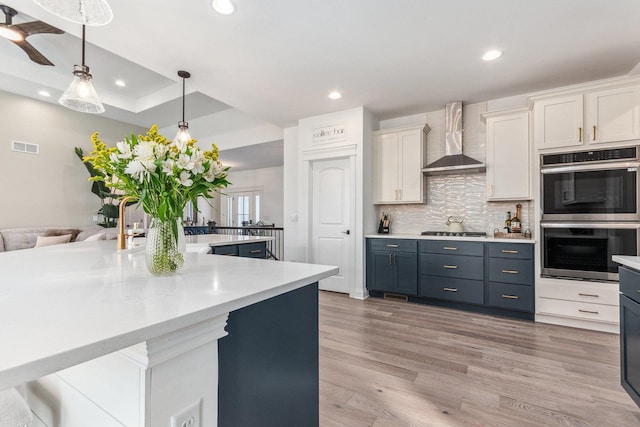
{"x": 268, "y": 364}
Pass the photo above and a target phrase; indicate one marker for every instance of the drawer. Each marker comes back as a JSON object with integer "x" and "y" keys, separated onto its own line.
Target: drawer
{"x": 588, "y": 292}
{"x": 630, "y": 283}
{"x": 518, "y": 271}
{"x": 231, "y": 250}
{"x": 253, "y": 250}
{"x": 451, "y": 247}
{"x": 461, "y": 267}
{"x": 511, "y": 250}
{"x": 513, "y": 297}
{"x": 401, "y": 245}
{"x": 578, "y": 310}
{"x": 450, "y": 289}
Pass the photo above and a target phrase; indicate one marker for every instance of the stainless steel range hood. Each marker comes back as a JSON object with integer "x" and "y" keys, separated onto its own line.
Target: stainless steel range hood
{"x": 453, "y": 161}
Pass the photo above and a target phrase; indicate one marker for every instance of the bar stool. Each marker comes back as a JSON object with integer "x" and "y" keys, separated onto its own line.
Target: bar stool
{"x": 14, "y": 411}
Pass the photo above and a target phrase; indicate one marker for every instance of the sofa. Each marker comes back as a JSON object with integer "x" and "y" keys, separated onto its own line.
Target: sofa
{"x": 12, "y": 239}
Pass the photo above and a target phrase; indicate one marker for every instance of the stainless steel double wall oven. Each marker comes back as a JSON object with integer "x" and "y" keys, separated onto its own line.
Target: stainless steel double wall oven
{"x": 590, "y": 211}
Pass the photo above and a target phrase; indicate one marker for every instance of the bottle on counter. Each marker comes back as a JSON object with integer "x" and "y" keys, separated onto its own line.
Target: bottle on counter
{"x": 507, "y": 223}
{"x": 516, "y": 221}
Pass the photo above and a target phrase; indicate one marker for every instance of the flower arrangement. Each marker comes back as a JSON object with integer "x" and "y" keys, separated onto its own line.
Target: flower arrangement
{"x": 163, "y": 176}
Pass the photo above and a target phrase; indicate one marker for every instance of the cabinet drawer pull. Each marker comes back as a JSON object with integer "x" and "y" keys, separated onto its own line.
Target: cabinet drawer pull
{"x": 511, "y": 296}
{"x": 509, "y": 251}
{"x": 510, "y": 271}
{"x": 594, "y": 132}
{"x": 450, "y": 248}
{"x": 392, "y": 246}
{"x": 588, "y": 295}
{"x": 450, "y": 289}
{"x": 452, "y": 267}
{"x": 587, "y": 311}
{"x": 579, "y": 134}
{"x": 255, "y": 251}
{"x": 229, "y": 254}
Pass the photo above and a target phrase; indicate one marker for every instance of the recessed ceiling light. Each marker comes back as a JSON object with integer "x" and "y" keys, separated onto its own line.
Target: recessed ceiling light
{"x": 120, "y": 83}
{"x": 44, "y": 93}
{"x": 491, "y": 55}
{"x": 223, "y": 7}
{"x": 335, "y": 95}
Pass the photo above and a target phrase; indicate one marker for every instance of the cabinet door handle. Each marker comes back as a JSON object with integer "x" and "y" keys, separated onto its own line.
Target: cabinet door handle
{"x": 400, "y": 191}
{"x": 510, "y": 296}
{"x": 587, "y": 311}
{"x": 509, "y": 251}
{"x": 491, "y": 190}
{"x": 510, "y": 271}
{"x": 452, "y": 267}
{"x": 392, "y": 246}
{"x": 255, "y": 251}
{"x": 450, "y": 248}
{"x": 391, "y": 259}
{"x": 594, "y": 132}
{"x": 579, "y": 134}
{"x": 230, "y": 254}
{"x": 450, "y": 289}
{"x": 589, "y": 295}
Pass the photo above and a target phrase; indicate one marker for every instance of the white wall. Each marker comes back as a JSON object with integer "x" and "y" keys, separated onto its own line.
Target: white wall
{"x": 49, "y": 189}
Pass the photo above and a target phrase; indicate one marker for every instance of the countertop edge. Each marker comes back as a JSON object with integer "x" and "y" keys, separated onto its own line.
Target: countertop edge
{"x": 488, "y": 239}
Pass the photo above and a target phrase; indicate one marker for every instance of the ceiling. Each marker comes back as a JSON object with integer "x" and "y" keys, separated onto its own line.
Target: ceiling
{"x": 278, "y": 60}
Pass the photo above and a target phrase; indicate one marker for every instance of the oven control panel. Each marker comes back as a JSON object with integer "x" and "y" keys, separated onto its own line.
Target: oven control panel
{"x": 629, "y": 153}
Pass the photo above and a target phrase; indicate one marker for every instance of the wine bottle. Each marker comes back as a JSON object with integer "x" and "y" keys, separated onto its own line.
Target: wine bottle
{"x": 507, "y": 223}
{"x": 516, "y": 221}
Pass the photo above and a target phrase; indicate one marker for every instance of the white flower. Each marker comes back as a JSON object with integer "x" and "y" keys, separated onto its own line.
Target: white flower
{"x": 149, "y": 165}
{"x": 161, "y": 150}
{"x": 198, "y": 167}
{"x": 136, "y": 169}
{"x": 185, "y": 179}
{"x": 209, "y": 175}
{"x": 125, "y": 150}
{"x": 113, "y": 157}
{"x": 184, "y": 162}
{"x": 167, "y": 166}
{"x": 180, "y": 145}
{"x": 144, "y": 150}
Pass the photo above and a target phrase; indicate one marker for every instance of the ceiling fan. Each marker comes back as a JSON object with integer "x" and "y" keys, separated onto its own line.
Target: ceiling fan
{"x": 18, "y": 33}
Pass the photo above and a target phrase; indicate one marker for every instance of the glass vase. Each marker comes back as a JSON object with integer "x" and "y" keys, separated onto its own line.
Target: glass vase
{"x": 165, "y": 247}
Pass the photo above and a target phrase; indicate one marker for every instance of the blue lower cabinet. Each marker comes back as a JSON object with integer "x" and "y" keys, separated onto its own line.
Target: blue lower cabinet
{"x": 392, "y": 266}
{"x": 450, "y": 289}
{"x": 456, "y": 266}
{"x": 630, "y": 332}
{"x": 512, "y": 297}
{"x": 253, "y": 250}
{"x": 231, "y": 250}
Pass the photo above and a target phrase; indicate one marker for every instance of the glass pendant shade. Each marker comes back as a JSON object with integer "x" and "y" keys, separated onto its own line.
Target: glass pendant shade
{"x": 80, "y": 95}
{"x": 87, "y": 12}
{"x": 183, "y": 136}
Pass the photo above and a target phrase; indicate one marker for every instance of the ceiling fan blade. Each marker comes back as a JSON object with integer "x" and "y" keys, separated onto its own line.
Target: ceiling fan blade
{"x": 36, "y": 27}
{"x": 33, "y": 53}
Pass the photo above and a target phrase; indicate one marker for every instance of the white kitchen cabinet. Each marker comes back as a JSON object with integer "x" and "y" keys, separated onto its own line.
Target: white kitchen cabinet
{"x": 508, "y": 155}
{"x": 399, "y": 156}
{"x": 599, "y": 116}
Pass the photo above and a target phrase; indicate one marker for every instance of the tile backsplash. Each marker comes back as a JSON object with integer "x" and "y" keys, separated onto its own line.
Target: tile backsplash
{"x": 462, "y": 195}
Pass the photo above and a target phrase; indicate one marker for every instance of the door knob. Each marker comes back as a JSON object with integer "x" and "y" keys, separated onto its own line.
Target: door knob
{"x": 346, "y": 232}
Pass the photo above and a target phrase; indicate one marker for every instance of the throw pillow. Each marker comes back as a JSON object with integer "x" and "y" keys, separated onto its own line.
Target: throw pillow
{"x": 98, "y": 236}
{"x": 61, "y": 232}
{"x": 52, "y": 240}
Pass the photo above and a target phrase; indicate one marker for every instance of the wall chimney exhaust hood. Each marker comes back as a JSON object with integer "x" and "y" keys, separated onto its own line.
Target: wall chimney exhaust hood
{"x": 454, "y": 161}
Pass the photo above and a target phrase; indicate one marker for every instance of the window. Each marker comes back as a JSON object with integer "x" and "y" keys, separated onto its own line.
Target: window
{"x": 242, "y": 208}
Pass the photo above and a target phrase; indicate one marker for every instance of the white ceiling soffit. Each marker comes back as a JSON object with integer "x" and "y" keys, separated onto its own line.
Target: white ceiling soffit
{"x": 279, "y": 60}
{"x": 257, "y": 156}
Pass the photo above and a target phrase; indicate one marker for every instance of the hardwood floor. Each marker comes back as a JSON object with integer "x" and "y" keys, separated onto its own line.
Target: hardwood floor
{"x": 388, "y": 363}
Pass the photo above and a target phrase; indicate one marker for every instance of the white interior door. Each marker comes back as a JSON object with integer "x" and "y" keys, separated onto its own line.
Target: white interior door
{"x": 331, "y": 216}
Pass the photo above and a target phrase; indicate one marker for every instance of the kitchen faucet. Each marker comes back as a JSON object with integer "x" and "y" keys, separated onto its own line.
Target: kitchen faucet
{"x": 122, "y": 238}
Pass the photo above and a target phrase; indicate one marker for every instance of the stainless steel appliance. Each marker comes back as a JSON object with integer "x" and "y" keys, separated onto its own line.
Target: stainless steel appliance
{"x": 583, "y": 250}
{"x": 599, "y": 185}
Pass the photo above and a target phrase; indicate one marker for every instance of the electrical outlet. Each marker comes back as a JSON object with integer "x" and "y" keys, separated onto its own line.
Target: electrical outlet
{"x": 95, "y": 217}
{"x": 188, "y": 417}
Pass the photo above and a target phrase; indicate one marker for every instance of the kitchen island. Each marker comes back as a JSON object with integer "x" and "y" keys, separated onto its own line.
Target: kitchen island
{"x": 90, "y": 331}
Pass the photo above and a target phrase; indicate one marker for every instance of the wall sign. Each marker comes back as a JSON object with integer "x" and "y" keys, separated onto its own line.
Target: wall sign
{"x": 330, "y": 133}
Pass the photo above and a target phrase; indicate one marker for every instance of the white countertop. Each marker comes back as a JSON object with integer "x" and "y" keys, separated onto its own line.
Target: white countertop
{"x": 627, "y": 260}
{"x": 488, "y": 239}
{"x": 203, "y": 242}
{"x": 66, "y": 304}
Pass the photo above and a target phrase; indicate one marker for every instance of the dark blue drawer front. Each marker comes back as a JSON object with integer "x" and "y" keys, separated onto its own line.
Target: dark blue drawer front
{"x": 512, "y": 297}
{"x": 450, "y": 289}
{"x": 461, "y": 267}
{"x": 455, "y": 247}
{"x": 511, "y": 250}
{"x": 517, "y": 271}
{"x": 630, "y": 283}
{"x": 398, "y": 245}
{"x": 225, "y": 250}
{"x": 253, "y": 250}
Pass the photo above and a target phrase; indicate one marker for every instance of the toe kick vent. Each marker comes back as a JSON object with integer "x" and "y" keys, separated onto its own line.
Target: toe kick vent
{"x": 396, "y": 297}
{"x": 25, "y": 147}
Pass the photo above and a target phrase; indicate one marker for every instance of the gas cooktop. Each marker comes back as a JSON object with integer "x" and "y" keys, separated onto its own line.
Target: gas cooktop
{"x": 452, "y": 234}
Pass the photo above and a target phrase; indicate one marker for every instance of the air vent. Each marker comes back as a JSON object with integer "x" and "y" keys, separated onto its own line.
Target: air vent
{"x": 25, "y": 147}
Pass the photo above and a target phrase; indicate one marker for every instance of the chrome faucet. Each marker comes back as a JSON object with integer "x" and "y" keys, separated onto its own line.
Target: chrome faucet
{"x": 122, "y": 238}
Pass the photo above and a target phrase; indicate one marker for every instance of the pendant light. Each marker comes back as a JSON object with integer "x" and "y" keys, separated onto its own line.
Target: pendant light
{"x": 183, "y": 135}
{"x": 86, "y": 12}
{"x": 80, "y": 95}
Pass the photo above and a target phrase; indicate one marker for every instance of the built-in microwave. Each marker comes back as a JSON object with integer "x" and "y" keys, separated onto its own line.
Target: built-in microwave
{"x": 599, "y": 185}
{"x": 584, "y": 250}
